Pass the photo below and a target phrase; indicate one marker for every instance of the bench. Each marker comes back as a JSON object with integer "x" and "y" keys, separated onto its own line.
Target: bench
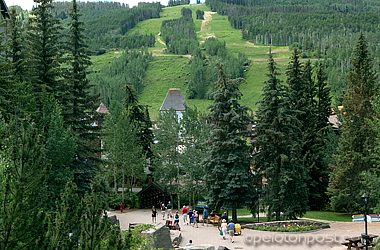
{"x": 172, "y": 226}
{"x": 356, "y": 242}
{"x": 360, "y": 218}
{"x": 213, "y": 220}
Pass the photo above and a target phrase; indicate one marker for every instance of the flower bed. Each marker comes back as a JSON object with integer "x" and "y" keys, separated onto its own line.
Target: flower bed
{"x": 288, "y": 226}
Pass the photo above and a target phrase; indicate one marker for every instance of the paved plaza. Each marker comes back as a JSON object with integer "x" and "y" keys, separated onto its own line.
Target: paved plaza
{"x": 251, "y": 239}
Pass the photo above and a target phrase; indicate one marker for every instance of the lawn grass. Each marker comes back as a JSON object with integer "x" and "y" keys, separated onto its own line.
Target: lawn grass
{"x": 247, "y": 220}
{"x": 329, "y": 216}
{"x": 243, "y": 212}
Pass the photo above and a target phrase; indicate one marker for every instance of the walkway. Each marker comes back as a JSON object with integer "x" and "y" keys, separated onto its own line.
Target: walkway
{"x": 251, "y": 239}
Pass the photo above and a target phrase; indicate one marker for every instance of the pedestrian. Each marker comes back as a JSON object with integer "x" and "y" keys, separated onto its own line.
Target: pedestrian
{"x": 231, "y": 230}
{"x": 154, "y": 215}
{"x": 163, "y": 210}
{"x": 191, "y": 217}
{"x": 169, "y": 210}
{"x": 196, "y": 217}
{"x": 121, "y": 207}
{"x": 184, "y": 214}
{"x": 176, "y": 219}
{"x": 205, "y": 215}
{"x": 223, "y": 226}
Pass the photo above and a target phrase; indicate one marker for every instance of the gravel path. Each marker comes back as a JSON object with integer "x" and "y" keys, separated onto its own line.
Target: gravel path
{"x": 251, "y": 239}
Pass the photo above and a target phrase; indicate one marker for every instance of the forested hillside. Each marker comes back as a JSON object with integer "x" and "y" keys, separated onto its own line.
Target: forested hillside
{"x": 321, "y": 29}
{"x": 194, "y": 69}
{"x": 106, "y": 23}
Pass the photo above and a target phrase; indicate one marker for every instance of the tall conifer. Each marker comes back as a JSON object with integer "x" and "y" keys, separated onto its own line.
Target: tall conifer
{"x": 79, "y": 105}
{"x": 228, "y": 163}
{"x": 279, "y": 146}
{"x": 358, "y": 139}
{"x": 319, "y": 171}
{"x": 45, "y": 52}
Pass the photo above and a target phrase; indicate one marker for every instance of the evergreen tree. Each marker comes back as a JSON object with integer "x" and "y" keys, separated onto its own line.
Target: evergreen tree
{"x": 45, "y": 52}
{"x": 64, "y": 225}
{"x": 20, "y": 94}
{"x": 139, "y": 116}
{"x": 80, "y": 104}
{"x": 24, "y": 168}
{"x": 228, "y": 161}
{"x": 95, "y": 226}
{"x": 358, "y": 140}
{"x": 16, "y": 47}
{"x": 278, "y": 151}
{"x": 319, "y": 171}
{"x": 59, "y": 146}
{"x": 5, "y": 83}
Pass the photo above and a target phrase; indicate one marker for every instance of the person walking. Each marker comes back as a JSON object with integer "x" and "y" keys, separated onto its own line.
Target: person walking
{"x": 191, "y": 217}
{"x": 163, "y": 210}
{"x": 231, "y": 230}
{"x": 196, "y": 217}
{"x": 205, "y": 215}
{"x": 154, "y": 215}
{"x": 223, "y": 226}
{"x": 184, "y": 211}
{"x": 176, "y": 219}
{"x": 169, "y": 210}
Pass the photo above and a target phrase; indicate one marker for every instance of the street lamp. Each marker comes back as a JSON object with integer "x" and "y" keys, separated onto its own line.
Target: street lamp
{"x": 365, "y": 198}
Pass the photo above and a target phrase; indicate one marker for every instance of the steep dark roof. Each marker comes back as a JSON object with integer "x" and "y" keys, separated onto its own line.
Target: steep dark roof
{"x": 151, "y": 185}
{"x": 174, "y": 100}
{"x": 4, "y": 9}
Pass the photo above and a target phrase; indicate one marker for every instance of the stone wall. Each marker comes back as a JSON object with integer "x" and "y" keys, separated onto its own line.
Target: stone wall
{"x": 160, "y": 236}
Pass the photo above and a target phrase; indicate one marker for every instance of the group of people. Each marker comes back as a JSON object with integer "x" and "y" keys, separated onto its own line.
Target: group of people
{"x": 189, "y": 216}
{"x": 227, "y": 229}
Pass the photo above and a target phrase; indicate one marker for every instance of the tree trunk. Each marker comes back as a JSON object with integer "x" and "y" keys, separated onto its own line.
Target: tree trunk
{"x": 234, "y": 215}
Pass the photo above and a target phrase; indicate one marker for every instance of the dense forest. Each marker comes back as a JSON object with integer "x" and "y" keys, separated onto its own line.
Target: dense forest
{"x": 323, "y": 29}
{"x": 179, "y": 34}
{"x": 54, "y": 179}
{"x": 106, "y": 23}
{"x": 129, "y": 67}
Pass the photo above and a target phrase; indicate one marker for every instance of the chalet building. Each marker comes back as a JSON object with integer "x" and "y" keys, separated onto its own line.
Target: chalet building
{"x": 153, "y": 195}
{"x": 4, "y": 16}
{"x": 174, "y": 100}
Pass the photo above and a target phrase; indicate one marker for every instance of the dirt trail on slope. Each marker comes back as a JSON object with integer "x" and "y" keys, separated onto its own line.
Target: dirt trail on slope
{"x": 205, "y": 23}
{"x": 160, "y": 40}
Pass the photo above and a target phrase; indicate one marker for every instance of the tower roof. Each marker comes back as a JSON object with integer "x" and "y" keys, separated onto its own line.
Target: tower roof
{"x": 102, "y": 109}
{"x": 173, "y": 100}
{"x": 4, "y": 9}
